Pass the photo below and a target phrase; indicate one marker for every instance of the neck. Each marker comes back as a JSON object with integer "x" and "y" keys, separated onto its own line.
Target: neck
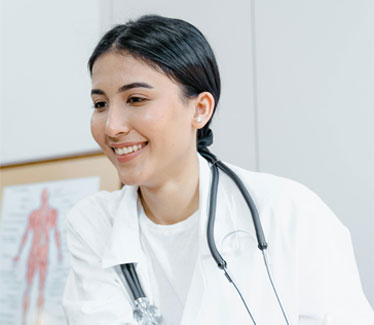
{"x": 177, "y": 198}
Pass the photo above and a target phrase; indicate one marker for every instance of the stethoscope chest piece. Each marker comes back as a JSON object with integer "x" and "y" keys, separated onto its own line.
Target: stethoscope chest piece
{"x": 146, "y": 313}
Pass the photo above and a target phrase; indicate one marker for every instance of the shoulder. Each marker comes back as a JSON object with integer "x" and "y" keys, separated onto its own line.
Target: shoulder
{"x": 267, "y": 187}
{"x": 287, "y": 200}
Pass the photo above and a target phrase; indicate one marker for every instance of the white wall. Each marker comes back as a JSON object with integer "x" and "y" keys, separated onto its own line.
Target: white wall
{"x": 45, "y": 86}
{"x": 296, "y": 99}
{"x": 314, "y": 81}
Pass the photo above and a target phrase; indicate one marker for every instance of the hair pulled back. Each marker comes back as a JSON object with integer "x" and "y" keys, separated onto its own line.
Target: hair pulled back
{"x": 176, "y": 47}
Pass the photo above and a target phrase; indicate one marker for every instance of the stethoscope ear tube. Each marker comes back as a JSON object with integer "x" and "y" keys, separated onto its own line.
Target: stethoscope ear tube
{"x": 212, "y": 216}
{"x": 262, "y": 244}
{"x": 212, "y": 210}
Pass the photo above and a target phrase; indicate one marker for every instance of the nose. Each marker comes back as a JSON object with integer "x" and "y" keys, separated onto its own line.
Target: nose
{"x": 117, "y": 122}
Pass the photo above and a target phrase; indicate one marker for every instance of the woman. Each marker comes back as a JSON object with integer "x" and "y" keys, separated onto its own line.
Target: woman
{"x": 155, "y": 88}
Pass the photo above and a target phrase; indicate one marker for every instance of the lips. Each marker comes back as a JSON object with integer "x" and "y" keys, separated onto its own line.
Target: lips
{"x": 127, "y": 144}
{"x": 129, "y": 149}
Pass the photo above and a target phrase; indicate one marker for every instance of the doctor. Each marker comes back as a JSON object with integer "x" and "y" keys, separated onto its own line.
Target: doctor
{"x": 155, "y": 88}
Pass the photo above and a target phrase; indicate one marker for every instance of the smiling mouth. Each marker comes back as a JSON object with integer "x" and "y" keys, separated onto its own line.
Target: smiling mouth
{"x": 130, "y": 149}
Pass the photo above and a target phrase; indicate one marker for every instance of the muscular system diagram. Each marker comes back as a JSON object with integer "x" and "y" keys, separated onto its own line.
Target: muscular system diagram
{"x": 40, "y": 222}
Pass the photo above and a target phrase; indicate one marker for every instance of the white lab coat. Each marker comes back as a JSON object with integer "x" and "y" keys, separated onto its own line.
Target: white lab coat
{"x": 310, "y": 251}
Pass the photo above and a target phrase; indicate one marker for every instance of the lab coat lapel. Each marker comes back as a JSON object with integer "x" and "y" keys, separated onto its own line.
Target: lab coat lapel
{"x": 124, "y": 244}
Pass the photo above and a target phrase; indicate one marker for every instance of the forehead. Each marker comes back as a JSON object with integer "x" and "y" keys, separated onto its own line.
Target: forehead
{"x": 115, "y": 69}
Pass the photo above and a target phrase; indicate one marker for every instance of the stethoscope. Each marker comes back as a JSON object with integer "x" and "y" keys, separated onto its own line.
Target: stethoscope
{"x": 147, "y": 314}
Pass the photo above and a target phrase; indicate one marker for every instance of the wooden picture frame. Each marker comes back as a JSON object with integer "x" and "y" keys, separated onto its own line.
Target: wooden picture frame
{"x": 60, "y": 168}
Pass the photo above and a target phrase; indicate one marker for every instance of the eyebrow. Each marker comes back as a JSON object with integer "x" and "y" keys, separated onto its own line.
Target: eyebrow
{"x": 124, "y": 88}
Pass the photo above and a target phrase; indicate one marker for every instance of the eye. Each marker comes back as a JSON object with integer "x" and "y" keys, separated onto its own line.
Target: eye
{"x": 136, "y": 100}
{"x": 100, "y": 105}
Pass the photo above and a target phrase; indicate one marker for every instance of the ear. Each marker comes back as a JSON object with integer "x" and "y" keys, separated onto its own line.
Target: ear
{"x": 203, "y": 109}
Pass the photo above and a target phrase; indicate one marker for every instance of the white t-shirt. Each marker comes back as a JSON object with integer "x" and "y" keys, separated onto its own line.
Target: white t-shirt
{"x": 172, "y": 252}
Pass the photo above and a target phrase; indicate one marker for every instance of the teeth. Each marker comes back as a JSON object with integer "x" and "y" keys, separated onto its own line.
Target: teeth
{"x": 130, "y": 149}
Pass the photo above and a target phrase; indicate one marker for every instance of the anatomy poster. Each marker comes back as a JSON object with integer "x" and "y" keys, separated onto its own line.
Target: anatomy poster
{"x": 33, "y": 254}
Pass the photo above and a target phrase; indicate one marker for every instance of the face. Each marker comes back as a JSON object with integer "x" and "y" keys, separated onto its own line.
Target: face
{"x": 141, "y": 111}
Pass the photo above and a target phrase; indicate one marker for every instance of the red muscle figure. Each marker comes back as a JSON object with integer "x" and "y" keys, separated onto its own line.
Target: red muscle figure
{"x": 40, "y": 222}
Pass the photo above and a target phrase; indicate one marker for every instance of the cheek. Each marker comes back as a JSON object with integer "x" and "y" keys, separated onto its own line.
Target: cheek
{"x": 155, "y": 123}
{"x": 97, "y": 128}
{"x": 169, "y": 127}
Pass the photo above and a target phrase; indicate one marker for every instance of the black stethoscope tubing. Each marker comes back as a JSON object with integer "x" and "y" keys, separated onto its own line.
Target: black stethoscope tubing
{"x": 132, "y": 279}
{"x": 262, "y": 244}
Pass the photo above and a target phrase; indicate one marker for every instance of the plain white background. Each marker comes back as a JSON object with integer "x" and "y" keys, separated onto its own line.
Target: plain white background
{"x": 297, "y": 90}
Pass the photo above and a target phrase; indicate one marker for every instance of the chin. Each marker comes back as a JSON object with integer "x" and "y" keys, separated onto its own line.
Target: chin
{"x": 129, "y": 180}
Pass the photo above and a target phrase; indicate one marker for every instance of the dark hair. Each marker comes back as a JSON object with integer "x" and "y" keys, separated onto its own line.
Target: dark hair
{"x": 176, "y": 47}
